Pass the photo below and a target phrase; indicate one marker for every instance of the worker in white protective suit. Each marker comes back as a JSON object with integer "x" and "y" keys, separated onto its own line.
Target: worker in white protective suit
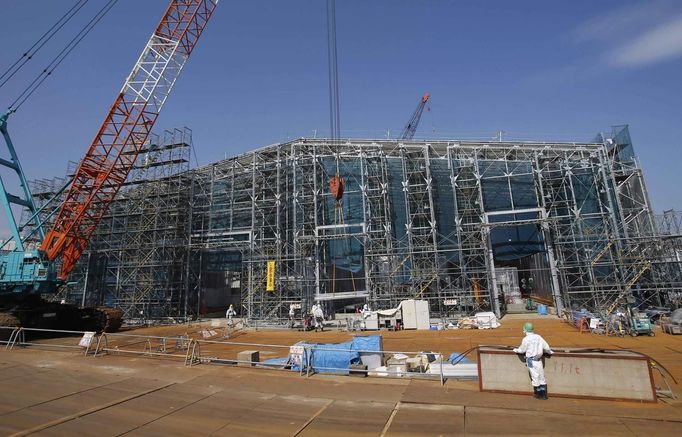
{"x": 229, "y": 314}
{"x": 292, "y": 315}
{"x": 534, "y": 347}
{"x": 318, "y": 315}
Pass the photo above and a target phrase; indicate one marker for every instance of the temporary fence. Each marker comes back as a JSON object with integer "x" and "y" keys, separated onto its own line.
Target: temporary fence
{"x": 300, "y": 358}
{"x": 17, "y": 336}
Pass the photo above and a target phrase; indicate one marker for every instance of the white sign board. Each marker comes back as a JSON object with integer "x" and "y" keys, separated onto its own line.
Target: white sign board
{"x": 86, "y": 340}
{"x": 296, "y": 354}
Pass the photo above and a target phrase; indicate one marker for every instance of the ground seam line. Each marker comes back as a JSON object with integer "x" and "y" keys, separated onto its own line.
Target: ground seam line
{"x": 390, "y": 419}
{"x": 168, "y": 414}
{"x": 672, "y": 420}
{"x": 625, "y": 425}
{"x": 314, "y": 416}
{"x": 576, "y": 414}
{"x": 233, "y": 419}
{"x": 85, "y": 390}
{"x": 86, "y": 412}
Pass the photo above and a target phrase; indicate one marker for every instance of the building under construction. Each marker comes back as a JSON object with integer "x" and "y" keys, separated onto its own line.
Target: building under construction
{"x": 462, "y": 224}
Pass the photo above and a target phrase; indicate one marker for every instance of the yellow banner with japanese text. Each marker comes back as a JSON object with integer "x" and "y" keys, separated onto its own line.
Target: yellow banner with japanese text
{"x": 270, "y": 285}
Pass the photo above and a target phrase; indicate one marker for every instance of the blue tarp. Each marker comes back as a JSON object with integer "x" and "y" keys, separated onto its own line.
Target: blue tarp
{"x": 367, "y": 343}
{"x": 458, "y": 358}
{"x": 334, "y": 358}
{"x": 337, "y": 357}
{"x": 280, "y": 362}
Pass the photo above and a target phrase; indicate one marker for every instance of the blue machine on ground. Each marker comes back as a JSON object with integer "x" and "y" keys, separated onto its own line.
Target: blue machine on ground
{"x": 26, "y": 273}
{"x": 22, "y": 269}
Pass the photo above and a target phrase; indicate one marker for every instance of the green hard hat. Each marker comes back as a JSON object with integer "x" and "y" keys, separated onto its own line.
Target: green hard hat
{"x": 528, "y": 327}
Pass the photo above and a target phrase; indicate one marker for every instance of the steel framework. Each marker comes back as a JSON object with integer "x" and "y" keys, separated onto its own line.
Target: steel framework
{"x": 418, "y": 219}
{"x": 139, "y": 251}
{"x": 422, "y": 217}
{"x": 137, "y": 256}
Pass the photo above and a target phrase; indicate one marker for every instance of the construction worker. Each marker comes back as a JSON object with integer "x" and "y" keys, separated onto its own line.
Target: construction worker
{"x": 534, "y": 347}
{"x": 292, "y": 313}
{"x": 365, "y": 310}
{"x": 311, "y": 314}
{"x": 229, "y": 314}
{"x": 318, "y": 315}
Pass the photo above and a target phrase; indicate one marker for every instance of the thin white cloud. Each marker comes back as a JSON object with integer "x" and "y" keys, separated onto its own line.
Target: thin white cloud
{"x": 662, "y": 43}
{"x": 611, "y": 25}
{"x": 634, "y": 35}
{"x": 637, "y": 34}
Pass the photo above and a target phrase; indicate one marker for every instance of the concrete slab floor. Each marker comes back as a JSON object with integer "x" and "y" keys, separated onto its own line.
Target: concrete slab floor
{"x": 58, "y": 393}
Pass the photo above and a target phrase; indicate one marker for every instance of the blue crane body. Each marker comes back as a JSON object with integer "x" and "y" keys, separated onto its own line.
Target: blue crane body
{"x": 21, "y": 269}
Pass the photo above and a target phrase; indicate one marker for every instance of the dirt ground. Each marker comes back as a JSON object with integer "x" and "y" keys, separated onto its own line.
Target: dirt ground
{"x": 666, "y": 349}
{"x": 50, "y": 391}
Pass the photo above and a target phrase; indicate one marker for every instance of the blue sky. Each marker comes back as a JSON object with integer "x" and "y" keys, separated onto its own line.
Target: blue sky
{"x": 533, "y": 69}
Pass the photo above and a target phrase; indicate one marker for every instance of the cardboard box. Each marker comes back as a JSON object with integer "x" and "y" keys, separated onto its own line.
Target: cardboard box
{"x": 248, "y": 358}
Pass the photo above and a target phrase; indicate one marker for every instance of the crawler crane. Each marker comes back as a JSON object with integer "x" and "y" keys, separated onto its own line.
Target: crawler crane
{"x": 29, "y": 270}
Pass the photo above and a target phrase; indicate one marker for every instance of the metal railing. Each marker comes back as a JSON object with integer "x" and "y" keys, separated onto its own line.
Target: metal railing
{"x": 18, "y": 336}
{"x": 192, "y": 351}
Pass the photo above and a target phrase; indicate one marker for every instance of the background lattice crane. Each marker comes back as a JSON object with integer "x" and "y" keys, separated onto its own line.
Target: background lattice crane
{"x": 411, "y": 127}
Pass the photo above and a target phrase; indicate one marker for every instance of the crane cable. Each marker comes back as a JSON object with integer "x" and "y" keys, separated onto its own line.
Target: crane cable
{"x": 35, "y": 48}
{"x": 334, "y": 117}
{"x": 70, "y": 46}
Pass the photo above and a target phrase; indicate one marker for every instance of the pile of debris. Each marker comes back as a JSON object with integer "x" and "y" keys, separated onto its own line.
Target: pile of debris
{"x": 485, "y": 320}
{"x": 673, "y": 323}
{"x": 620, "y": 322}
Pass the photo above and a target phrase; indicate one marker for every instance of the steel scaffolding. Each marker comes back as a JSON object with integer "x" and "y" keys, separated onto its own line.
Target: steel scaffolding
{"x": 418, "y": 219}
{"x": 136, "y": 259}
{"x": 425, "y": 219}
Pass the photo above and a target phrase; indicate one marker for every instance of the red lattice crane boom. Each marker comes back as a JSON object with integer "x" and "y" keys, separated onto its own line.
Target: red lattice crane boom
{"x": 114, "y": 150}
